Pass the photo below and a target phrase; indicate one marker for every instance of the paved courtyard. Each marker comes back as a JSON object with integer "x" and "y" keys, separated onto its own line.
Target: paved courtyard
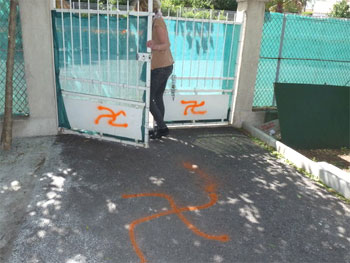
{"x": 200, "y": 195}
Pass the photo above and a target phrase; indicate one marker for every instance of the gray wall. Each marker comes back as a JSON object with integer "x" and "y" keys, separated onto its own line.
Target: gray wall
{"x": 251, "y": 12}
{"x": 39, "y": 70}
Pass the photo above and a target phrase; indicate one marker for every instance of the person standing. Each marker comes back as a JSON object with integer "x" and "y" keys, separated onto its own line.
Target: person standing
{"x": 161, "y": 67}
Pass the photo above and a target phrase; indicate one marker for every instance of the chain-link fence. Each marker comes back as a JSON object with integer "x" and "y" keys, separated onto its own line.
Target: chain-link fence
{"x": 299, "y": 49}
{"x": 20, "y": 103}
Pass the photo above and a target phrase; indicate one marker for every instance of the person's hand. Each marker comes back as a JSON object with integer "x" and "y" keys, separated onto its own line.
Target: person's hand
{"x": 150, "y": 44}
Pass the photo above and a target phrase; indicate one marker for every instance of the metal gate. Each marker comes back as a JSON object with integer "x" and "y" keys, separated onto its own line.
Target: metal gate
{"x": 205, "y": 50}
{"x": 103, "y": 69}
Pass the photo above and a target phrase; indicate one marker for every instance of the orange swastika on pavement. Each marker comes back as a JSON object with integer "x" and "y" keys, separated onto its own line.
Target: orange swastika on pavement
{"x": 193, "y": 106}
{"x": 113, "y": 117}
{"x": 210, "y": 188}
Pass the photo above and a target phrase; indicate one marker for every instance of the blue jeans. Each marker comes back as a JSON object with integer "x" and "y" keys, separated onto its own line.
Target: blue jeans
{"x": 159, "y": 78}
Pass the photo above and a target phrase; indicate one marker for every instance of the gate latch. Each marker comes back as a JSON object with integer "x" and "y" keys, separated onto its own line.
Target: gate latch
{"x": 173, "y": 86}
{"x": 144, "y": 57}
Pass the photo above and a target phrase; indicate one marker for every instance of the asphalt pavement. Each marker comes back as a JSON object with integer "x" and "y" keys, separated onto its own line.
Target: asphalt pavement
{"x": 199, "y": 195}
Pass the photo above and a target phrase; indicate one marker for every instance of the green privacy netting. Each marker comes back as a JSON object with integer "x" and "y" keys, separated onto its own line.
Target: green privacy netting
{"x": 20, "y": 101}
{"x": 314, "y": 51}
{"x": 200, "y": 49}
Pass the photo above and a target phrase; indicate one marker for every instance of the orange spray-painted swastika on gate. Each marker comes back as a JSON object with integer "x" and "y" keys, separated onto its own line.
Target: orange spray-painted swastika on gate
{"x": 113, "y": 117}
{"x": 210, "y": 189}
{"x": 193, "y": 106}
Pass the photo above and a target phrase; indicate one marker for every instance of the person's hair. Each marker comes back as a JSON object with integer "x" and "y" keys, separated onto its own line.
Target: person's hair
{"x": 144, "y": 5}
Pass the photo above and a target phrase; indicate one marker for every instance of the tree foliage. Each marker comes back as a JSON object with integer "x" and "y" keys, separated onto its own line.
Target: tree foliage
{"x": 286, "y": 6}
{"x": 341, "y": 10}
{"x": 225, "y": 5}
{"x": 205, "y": 4}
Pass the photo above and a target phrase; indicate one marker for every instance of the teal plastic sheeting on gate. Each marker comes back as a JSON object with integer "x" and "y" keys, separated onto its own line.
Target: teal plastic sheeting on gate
{"x": 204, "y": 49}
{"x": 200, "y": 49}
{"x": 100, "y": 59}
{"x": 314, "y": 51}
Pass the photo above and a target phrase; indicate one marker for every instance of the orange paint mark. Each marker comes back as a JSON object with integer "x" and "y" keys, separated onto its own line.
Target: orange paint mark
{"x": 210, "y": 188}
{"x": 113, "y": 117}
{"x": 193, "y": 106}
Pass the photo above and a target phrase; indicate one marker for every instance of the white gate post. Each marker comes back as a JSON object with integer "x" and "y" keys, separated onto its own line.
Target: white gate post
{"x": 39, "y": 70}
{"x": 251, "y": 14}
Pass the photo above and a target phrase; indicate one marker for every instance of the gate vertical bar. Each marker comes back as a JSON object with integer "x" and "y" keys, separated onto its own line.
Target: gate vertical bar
{"x": 80, "y": 36}
{"x": 118, "y": 44}
{"x": 89, "y": 36}
{"x": 183, "y": 52}
{"x": 71, "y": 31}
{"x": 191, "y": 58}
{"x": 64, "y": 44}
{"x": 231, "y": 47}
{"x": 223, "y": 52}
{"x": 216, "y": 50}
{"x": 201, "y": 47}
{"x": 108, "y": 47}
{"x": 176, "y": 35}
{"x": 127, "y": 42}
{"x": 207, "y": 58}
{"x": 279, "y": 56}
{"x": 99, "y": 47}
{"x": 148, "y": 75}
{"x": 138, "y": 41}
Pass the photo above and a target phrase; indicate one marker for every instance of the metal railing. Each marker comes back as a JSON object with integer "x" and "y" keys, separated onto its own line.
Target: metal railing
{"x": 98, "y": 46}
{"x": 204, "y": 50}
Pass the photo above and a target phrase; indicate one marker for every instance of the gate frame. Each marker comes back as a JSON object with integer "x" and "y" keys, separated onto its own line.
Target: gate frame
{"x": 146, "y": 89}
{"x": 174, "y": 78}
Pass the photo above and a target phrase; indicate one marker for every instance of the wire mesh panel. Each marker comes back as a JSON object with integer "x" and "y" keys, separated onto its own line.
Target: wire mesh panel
{"x": 20, "y": 102}
{"x": 305, "y": 50}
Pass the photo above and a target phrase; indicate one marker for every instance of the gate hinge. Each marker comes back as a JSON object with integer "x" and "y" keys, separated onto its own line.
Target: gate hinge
{"x": 144, "y": 57}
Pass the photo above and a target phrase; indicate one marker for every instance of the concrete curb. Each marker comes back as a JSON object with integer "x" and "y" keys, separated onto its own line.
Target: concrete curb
{"x": 325, "y": 172}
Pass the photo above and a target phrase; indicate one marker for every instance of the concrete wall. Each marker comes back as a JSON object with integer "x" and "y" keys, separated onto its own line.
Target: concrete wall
{"x": 39, "y": 70}
{"x": 251, "y": 12}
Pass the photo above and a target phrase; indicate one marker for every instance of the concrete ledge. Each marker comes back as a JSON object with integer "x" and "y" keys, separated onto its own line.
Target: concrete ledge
{"x": 325, "y": 172}
{"x": 30, "y": 127}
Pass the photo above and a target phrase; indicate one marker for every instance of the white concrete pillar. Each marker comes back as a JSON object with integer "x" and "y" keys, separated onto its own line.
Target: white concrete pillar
{"x": 253, "y": 11}
{"x": 39, "y": 70}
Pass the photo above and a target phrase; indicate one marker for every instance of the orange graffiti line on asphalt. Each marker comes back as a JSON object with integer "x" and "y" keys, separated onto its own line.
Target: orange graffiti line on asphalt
{"x": 113, "y": 117}
{"x": 192, "y": 107}
{"x": 210, "y": 188}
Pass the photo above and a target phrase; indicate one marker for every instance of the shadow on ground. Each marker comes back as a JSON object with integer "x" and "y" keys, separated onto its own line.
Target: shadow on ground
{"x": 270, "y": 212}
